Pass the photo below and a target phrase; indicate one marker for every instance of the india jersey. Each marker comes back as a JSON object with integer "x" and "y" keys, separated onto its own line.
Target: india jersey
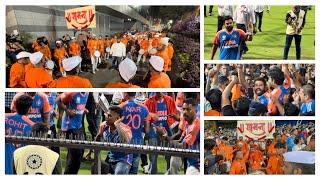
{"x": 229, "y": 43}
{"x": 115, "y": 138}
{"x": 280, "y": 92}
{"x": 40, "y": 106}
{"x": 74, "y": 101}
{"x": 135, "y": 117}
{"x": 192, "y": 139}
{"x": 52, "y": 102}
{"x": 162, "y": 119}
{"x": 308, "y": 107}
{"x": 18, "y": 125}
{"x": 263, "y": 99}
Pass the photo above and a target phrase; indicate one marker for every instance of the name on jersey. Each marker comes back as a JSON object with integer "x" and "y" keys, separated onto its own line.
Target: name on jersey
{"x": 162, "y": 115}
{"x": 133, "y": 109}
{"x": 16, "y": 124}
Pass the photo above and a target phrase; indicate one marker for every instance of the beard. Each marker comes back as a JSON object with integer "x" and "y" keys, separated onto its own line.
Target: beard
{"x": 229, "y": 28}
{"x": 259, "y": 92}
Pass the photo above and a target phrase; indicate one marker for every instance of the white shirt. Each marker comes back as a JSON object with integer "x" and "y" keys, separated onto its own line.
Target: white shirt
{"x": 225, "y": 10}
{"x": 118, "y": 49}
{"x": 260, "y": 8}
{"x": 244, "y": 14}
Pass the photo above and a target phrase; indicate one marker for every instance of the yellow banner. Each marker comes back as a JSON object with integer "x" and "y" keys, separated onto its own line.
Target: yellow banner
{"x": 81, "y": 18}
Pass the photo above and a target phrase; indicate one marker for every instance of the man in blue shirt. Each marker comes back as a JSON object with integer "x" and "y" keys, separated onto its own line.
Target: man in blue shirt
{"x": 73, "y": 104}
{"x": 17, "y": 124}
{"x": 137, "y": 117}
{"x": 307, "y": 96}
{"x": 229, "y": 41}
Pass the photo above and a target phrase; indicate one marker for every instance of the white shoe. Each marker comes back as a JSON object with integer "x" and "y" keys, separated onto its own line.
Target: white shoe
{"x": 146, "y": 169}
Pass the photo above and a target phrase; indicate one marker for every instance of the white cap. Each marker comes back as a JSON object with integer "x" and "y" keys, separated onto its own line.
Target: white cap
{"x": 36, "y": 57}
{"x": 156, "y": 35}
{"x": 23, "y": 54}
{"x": 93, "y": 35}
{"x": 117, "y": 97}
{"x": 127, "y": 69}
{"x": 153, "y": 51}
{"x": 97, "y": 54}
{"x": 15, "y": 32}
{"x": 50, "y": 64}
{"x": 303, "y": 157}
{"x": 73, "y": 38}
{"x": 70, "y": 63}
{"x": 58, "y": 42}
{"x": 157, "y": 63}
{"x": 164, "y": 41}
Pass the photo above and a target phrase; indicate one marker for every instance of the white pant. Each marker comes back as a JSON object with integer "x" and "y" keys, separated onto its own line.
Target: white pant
{"x": 191, "y": 170}
{"x": 94, "y": 62}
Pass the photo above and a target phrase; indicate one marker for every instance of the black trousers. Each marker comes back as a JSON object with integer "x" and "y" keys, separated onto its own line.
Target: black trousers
{"x": 243, "y": 46}
{"x": 259, "y": 16}
{"x": 220, "y": 22}
{"x": 74, "y": 156}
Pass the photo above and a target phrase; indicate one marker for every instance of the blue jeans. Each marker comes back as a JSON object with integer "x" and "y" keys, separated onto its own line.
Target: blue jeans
{"x": 297, "y": 40}
{"x": 116, "y": 61}
{"x": 135, "y": 164}
{"x": 121, "y": 168}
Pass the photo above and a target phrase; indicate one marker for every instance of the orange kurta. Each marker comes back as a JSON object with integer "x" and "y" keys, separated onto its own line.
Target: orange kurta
{"x": 17, "y": 75}
{"x": 238, "y": 167}
{"x": 91, "y": 45}
{"x": 100, "y": 46}
{"x": 71, "y": 82}
{"x": 170, "y": 54}
{"x": 35, "y": 46}
{"x": 121, "y": 85}
{"x": 45, "y": 50}
{"x": 38, "y": 78}
{"x": 74, "y": 49}
{"x": 59, "y": 54}
{"x": 275, "y": 165}
{"x": 255, "y": 160}
{"x": 161, "y": 80}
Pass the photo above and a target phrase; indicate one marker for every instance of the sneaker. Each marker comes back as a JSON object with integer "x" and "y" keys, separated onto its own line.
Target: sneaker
{"x": 146, "y": 169}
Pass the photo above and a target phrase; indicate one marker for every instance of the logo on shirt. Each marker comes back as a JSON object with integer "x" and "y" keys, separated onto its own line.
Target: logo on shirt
{"x": 78, "y": 100}
{"x": 34, "y": 161}
{"x": 224, "y": 37}
{"x": 38, "y": 102}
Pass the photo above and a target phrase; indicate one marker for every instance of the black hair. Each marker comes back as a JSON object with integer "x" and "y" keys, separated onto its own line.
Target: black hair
{"x": 291, "y": 109}
{"x": 131, "y": 94}
{"x": 214, "y": 98}
{"x": 225, "y": 18}
{"x": 73, "y": 71}
{"x": 296, "y": 140}
{"x": 280, "y": 145}
{"x": 242, "y": 106}
{"x": 116, "y": 109}
{"x": 263, "y": 80}
{"x": 209, "y": 144}
{"x": 277, "y": 75}
{"x": 23, "y": 104}
{"x": 191, "y": 101}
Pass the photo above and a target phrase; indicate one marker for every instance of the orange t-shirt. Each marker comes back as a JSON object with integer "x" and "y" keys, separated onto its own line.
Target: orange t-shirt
{"x": 236, "y": 92}
{"x": 28, "y": 66}
{"x": 212, "y": 113}
{"x": 72, "y": 82}
{"x": 238, "y": 167}
{"x": 45, "y": 50}
{"x": 161, "y": 80}
{"x": 35, "y": 46}
{"x": 74, "y": 49}
{"x": 170, "y": 51}
{"x": 155, "y": 42}
{"x": 275, "y": 165}
{"x": 100, "y": 45}
{"x": 59, "y": 53}
{"x": 107, "y": 43}
{"x": 38, "y": 78}
{"x": 121, "y": 85}
{"x": 17, "y": 74}
{"x": 255, "y": 160}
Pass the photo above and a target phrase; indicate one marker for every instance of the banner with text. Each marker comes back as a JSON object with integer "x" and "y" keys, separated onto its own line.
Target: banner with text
{"x": 81, "y": 18}
{"x": 256, "y": 130}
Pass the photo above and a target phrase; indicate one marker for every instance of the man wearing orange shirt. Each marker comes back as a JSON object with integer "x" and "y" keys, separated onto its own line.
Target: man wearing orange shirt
{"x": 59, "y": 54}
{"x": 144, "y": 45}
{"x": 127, "y": 71}
{"x": 107, "y": 45}
{"x": 101, "y": 47}
{"x": 214, "y": 98}
{"x": 158, "y": 78}
{"x": 72, "y": 80}
{"x": 92, "y": 47}
{"x": 17, "y": 70}
{"x": 74, "y": 48}
{"x": 162, "y": 51}
{"x": 276, "y": 162}
{"x": 37, "y": 77}
{"x": 238, "y": 165}
{"x": 255, "y": 158}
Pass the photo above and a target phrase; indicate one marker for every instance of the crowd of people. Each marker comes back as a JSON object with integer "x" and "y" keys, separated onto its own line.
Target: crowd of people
{"x": 290, "y": 151}
{"x": 132, "y": 118}
{"x": 248, "y": 19}
{"x": 259, "y": 90}
{"x": 59, "y": 64}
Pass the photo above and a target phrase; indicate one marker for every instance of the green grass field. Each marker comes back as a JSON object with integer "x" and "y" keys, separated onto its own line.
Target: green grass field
{"x": 269, "y": 43}
{"x": 85, "y": 168}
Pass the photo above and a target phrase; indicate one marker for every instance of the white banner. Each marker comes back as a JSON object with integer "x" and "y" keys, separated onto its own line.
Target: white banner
{"x": 81, "y": 18}
{"x": 256, "y": 130}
